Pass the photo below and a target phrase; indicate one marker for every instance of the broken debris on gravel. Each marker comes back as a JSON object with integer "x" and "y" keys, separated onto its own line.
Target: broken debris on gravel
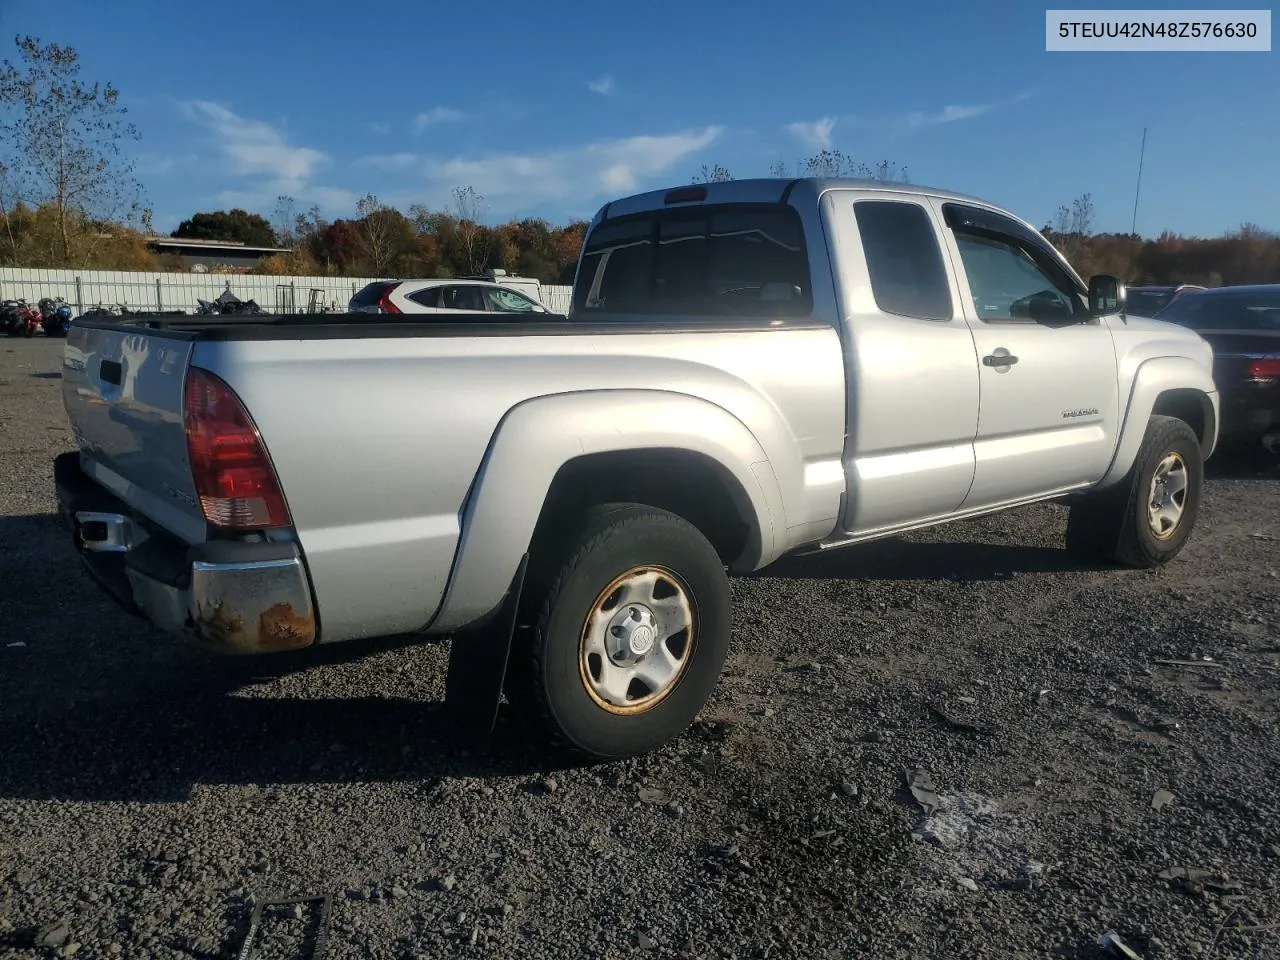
{"x": 149, "y": 792}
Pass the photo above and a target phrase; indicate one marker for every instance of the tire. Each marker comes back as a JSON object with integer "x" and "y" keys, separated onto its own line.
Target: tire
{"x": 1117, "y": 524}
{"x": 573, "y": 679}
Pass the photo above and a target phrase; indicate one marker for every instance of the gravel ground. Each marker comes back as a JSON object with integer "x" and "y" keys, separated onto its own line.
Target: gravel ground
{"x": 148, "y": 793}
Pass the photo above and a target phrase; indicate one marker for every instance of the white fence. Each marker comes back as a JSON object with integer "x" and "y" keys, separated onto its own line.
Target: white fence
{"x": 85, "y": 289}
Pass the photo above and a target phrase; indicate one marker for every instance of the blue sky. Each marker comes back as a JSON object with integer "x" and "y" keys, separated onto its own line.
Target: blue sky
{"x": 551, "y": 109}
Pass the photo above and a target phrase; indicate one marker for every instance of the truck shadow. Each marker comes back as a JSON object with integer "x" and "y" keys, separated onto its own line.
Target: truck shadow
{"x": 152, "y": 731}
{"x": 96, "y": 705}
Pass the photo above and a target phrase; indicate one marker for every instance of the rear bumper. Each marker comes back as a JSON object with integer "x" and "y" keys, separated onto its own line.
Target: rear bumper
{"x": 240, "y": 597}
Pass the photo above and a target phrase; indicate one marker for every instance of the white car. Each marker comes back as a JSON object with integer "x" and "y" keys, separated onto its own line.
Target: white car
{"x": 442, "y": 296}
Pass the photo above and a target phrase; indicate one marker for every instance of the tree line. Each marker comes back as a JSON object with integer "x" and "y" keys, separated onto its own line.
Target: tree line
{"x": 69, "y": 197}
{"x": 1248, "y": 254}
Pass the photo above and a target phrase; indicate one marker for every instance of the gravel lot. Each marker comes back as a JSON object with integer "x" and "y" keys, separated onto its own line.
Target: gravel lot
{"x": 148, "y": 792}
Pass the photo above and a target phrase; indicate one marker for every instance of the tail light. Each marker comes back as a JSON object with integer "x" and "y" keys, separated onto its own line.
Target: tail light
{"x": 233, "y": 475}
{"x": 1267, "y": 368}
{"x": 385, "y": 304}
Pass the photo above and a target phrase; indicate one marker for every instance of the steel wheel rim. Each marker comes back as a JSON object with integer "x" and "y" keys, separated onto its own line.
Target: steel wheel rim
{"x": 629, "y": 664}
{"x": 1167, "y": 496}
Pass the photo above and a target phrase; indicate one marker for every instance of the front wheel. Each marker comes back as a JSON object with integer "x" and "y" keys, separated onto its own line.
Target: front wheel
{"x": 631, "y": 636}
{"x": 1145, "y": 520}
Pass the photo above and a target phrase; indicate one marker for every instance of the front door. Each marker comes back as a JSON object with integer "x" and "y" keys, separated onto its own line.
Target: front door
{"x": 1048, "y": 393}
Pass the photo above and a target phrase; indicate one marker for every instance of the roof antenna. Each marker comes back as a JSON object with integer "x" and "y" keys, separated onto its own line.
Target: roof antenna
{"x": 1133, "y": 228}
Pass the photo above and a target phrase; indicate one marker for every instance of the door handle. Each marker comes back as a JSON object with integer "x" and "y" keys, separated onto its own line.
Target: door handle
{"x": 996, "y": 360}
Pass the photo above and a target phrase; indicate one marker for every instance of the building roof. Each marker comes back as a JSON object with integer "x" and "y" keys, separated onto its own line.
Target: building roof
{"x": 229, "y": 246}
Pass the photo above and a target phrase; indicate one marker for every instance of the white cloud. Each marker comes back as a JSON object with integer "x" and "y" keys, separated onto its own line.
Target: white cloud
{"x": 390, "y": 161}
{"x": 261, "y": 154}
{"x": 814, "y": 133}
{"x": 604, "y": 86}
{"x": 521, "y": 181}
{"x": 152, "y": 164}
{"x": 381, "y": 128}
{"x": 949, "y": 114}
{"x": 255, "y": 147}
{"x": 428, "y": 118}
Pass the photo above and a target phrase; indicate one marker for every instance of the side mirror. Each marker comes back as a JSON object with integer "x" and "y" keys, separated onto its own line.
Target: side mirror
{"x": 1107, "y": 295}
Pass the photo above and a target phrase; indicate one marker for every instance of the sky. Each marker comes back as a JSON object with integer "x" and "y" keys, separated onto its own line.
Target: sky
{"x": 550, "y": 110}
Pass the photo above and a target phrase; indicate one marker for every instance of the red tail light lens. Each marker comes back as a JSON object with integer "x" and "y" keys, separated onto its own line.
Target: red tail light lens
{"x": 385, "y": 304}
{"x": 1267, "y": 368}
{"x": 233, "y": 474}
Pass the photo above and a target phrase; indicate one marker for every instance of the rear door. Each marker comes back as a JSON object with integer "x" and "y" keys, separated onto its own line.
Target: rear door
{"x": 1049, "y": 393}
{"x": 912, "y": 394}
{"x": 123, "y": 391}
{"x": 464, "y": 298}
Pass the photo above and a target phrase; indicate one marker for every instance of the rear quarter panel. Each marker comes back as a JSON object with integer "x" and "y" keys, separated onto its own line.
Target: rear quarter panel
{"x": 377, "y": 441}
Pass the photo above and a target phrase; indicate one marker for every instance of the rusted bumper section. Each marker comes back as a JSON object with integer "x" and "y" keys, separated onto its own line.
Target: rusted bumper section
{"x": 236, "y": 596}
{"x": 259, "y": 603}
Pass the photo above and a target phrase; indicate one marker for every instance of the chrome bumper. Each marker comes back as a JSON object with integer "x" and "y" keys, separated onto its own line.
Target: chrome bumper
{"x": 241, "y": 597}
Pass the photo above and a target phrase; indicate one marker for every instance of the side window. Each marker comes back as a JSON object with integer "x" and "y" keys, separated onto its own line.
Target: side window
{"x": 429, "y": 297}
{"x": 1008, "y": 285}
{"x": 717, "y": 260}
{"x": 464, "y": 298}
{"x": 904, "y": 259}
{"x": 508, "y": 301}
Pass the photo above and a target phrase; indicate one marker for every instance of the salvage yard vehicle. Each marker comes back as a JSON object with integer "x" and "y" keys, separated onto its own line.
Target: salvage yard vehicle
{"x": 1242, "y": 324}
{"x": 749, "y": 369}
{"x": 459, "y": 296}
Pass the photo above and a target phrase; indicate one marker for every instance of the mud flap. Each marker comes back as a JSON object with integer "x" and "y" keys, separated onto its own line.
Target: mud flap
{"x": 478, "y": 663}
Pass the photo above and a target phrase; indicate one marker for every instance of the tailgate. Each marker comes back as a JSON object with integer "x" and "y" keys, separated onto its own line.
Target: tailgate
{"x": 123, "y": 390}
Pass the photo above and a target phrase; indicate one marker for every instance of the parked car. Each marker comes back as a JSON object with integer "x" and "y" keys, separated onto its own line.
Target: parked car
{"x": 1148, "y": 301}
{"x": 805, "y": 370}
{"x": 1243, "y": 326}
{"x": 442, "y": 296}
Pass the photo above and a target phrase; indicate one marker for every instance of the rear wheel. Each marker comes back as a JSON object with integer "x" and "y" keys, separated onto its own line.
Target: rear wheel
{"x": 630, "y": 636}
{"x": 1145, "y": 520}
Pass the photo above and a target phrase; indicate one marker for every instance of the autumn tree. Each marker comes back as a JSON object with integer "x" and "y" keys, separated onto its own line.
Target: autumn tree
{"x": 60, "y": 145}
{"x": 285, "y": 220}
{"x": 468, "y": 207}
{"x": 713, "y": 174}
{"x": 374, "y": 227}
{"x": 386, "y": 235}
{"x": 291, "y": 263}
{"x": 837, "y": 163}
{"x": 1072, "y": 226}
{"x": 336, "y": 246}
{"x": 235, "y": 226}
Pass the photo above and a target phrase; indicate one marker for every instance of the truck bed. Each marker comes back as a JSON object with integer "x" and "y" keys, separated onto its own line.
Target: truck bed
{"x": 379, "y": 426}
{"x": 341, "y": 326}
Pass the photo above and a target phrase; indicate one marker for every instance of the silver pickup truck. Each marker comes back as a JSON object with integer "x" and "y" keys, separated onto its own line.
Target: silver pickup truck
{"x": 749, "y": 369}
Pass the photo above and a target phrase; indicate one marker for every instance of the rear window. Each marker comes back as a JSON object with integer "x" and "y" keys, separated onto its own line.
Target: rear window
{"x": 908, "y": 277}
{"x": 1226, "y": 311}
{"x": 1145, "y": 303}
{"x": 371, "y": 294}
{"x": 743, "y": 260}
